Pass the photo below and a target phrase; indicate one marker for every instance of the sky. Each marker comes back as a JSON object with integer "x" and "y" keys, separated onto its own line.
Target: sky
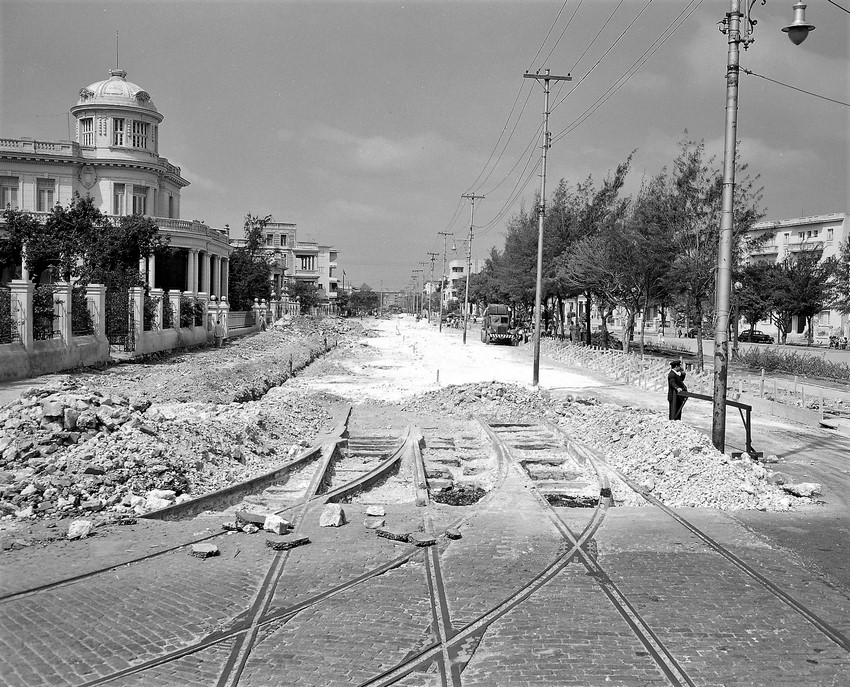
{"x": 365, "y": 122}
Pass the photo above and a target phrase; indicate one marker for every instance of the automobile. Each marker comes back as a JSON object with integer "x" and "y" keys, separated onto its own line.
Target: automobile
{"x": 755, "y": 336}
{"x": 695, "y": 332}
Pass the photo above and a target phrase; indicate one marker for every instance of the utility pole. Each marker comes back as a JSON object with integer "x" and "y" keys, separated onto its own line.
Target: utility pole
{"x": 381, "y": 302}
{"x": 445, "y": 235}
{"x": 416, "y": 309}
{"x": 473, "y": 198}
{"x": 431, "y": 283}
{"x": 541, "y": 211}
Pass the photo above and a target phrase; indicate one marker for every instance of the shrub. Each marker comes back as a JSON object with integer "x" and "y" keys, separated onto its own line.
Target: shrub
{"x": 808, "y": 365}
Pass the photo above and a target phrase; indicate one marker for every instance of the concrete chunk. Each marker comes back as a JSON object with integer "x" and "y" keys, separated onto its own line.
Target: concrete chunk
{"x": 286, "y": 544}
{"x": 373, "y": 523}
{"x": 79, "y": 529}
{"x": 246, "y": 517}
{"x": 377, "y": 511}
{"x": 453, "y": 533}
{"x": 422, "y": 539}
{"x": 276, "y": 524}
{"x": 803, "y": 489}
{"x": 204, "y": 550}
{"x": 332, "y": 516}
{"x": 393, "y": 534}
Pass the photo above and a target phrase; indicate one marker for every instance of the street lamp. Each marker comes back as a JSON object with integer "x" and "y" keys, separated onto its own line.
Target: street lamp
{"x": 736, "y": 34}
{"x": 736, "y": 287}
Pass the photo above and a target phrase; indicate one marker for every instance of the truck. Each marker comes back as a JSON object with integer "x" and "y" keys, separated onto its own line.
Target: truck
{"x": 496, "y": 324}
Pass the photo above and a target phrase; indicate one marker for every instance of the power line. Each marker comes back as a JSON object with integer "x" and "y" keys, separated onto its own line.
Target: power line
{"x": 794, "y": 88}
{"x": 843, "y": 9}
{"x": 632, "y": 70}
{"x": 548, "y": 33}
{"x": 570, "y": 21}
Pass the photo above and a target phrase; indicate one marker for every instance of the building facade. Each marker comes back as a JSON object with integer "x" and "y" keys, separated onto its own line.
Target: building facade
{"x": 777, "y": 241}
{"x": 305, "y": 261}
{"x": 115, "y": 160}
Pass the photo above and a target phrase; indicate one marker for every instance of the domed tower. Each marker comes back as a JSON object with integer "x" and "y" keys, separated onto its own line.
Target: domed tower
{"x": 117, "y": 115}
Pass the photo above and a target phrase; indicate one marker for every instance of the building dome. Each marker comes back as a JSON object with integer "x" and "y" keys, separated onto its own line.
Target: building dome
{"x": 116, "y": 91}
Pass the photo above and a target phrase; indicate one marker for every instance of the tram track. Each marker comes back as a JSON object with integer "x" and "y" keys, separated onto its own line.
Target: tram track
{"x": 560, "y": 472}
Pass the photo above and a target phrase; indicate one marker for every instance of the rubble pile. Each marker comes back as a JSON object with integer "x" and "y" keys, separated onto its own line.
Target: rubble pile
{"x": 492, "y": 399}
{"x": 676, "y": 463}
{"x": 244, "y": 370}
{"x": 69, "y": 448}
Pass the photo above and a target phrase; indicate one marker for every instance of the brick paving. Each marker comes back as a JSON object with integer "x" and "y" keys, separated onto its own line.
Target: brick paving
{"x": 720, "y": 625}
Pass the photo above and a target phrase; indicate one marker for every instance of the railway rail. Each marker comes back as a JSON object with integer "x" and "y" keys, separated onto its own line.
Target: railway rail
{"x": 572, "y": 489}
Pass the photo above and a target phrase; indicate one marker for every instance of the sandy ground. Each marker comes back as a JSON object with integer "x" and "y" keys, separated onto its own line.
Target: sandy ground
{"x": 408, "y": 358}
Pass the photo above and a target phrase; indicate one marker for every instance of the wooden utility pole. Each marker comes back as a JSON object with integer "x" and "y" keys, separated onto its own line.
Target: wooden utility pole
{"x": 541, "y": 210}
{"x": 431, "y": 283}
{"x": 473, "y": 198}
{"x": 445, "y": 235}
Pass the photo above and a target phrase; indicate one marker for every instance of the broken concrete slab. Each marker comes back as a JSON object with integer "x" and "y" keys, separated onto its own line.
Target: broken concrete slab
{"x": 453, "y": 533}
{"x": 286, "y": 544}
{"x": 373, "y": 523}
{"x": 376, "y": 511}
{"x": 803, "y": 489}
{"x": 422, "y": 539}
{"x": 204, "y": 550}
{"x": 392, "y": 533}
{"x": 245, "y": 517}
{"x": 332, "y": 516}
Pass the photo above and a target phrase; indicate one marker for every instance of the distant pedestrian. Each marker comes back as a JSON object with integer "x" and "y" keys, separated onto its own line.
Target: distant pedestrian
{"x": 218, "y": 332}
{"x": 676, "y": 383}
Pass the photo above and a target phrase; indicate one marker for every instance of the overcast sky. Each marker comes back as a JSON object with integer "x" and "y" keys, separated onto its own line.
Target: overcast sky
{"x": 364, "y": 122}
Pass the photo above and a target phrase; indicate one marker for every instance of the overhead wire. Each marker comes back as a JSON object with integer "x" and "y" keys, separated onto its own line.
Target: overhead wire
{"x": 794, "y": 88}
{"x": 665, "y": 35}
{"x": 843, "y": 9}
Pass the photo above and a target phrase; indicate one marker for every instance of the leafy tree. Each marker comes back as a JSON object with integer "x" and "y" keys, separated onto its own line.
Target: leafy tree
{"x": 803, "y": 287}
{"x": 364, "y": 300}
{"x": 753, "y": 297}
{"x": 841, "y": 279}
{"x": 250, "y": 271}
{"x": 306, "y": 291}
{"x": 79, "y": 241}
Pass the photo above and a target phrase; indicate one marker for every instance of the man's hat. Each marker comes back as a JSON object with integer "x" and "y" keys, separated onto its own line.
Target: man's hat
{"x": 676, "y": 363}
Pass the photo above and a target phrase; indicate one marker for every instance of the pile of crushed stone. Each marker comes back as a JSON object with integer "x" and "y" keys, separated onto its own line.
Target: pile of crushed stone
{"x": 69, "y": 448}
{"x": 674, "y": 462}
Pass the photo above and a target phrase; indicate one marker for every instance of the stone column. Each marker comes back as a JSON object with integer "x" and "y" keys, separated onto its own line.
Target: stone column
{"x": 152, "y": 270}
{"x": 225, "y": 277}
{"x": 143, "y": 269}
{"x": 189, "y": 268}
{"x": 193, "y": 286}
{"x": 96, "y": 300}
{"x": 215, "y": 289}
{"x": 62, "y": 309}
{"x": 207, "y": 280}
{"x": 22, "y": 293}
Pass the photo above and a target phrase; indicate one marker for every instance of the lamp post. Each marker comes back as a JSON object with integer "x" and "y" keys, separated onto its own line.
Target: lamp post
{"x": 737, "y": 34}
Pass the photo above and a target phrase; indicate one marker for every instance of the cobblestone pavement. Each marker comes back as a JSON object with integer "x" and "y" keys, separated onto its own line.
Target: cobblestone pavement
{"x": 718, "y": 625}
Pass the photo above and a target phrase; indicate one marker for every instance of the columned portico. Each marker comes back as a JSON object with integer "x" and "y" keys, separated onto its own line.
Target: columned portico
{"x": 215, "y": 289}
{"x": 206, "y": 273}
{"x": 225, "y": 276}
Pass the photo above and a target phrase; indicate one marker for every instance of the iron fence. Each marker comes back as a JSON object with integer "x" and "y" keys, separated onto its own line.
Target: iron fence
{"x": 43, "y": 313}
{"x": 8, "y": 330}
{"x": 82, "y": 322}
{"x": 119, "y": 319}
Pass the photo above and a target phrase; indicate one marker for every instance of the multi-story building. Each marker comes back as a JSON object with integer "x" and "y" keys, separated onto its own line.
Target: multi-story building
{"x": 306, "y": 261}
{"x": 778, "y": 241}
{"x": 115, "y": 159}
{"x": 456, "y": 278}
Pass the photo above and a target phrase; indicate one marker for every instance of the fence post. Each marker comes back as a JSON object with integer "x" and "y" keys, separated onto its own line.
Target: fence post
{"x": 62, "y": 307}
{"x": 22, "y": 295}
{"x": 761, "y": 385}
{"x": 803, "y": 397}
{"x": 174, "y": 297}
{"x": 96, "y": 300}
{"x": 137, "y": 308}
{"x": 157, "y": 294}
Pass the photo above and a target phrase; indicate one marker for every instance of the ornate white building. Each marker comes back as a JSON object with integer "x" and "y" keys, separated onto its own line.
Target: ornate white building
{"x": 115, "y": 159}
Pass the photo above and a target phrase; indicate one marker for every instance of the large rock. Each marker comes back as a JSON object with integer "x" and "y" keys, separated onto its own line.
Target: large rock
{"x": 376, "y": 511}
{"x": 204, "y": 550}
{"x": 332, "y": 516}
{"x": 167, "y": 494}
{"x": 276, "y": 524}
{"x": 155, "y": 503}
{"x": 80, "y": 529}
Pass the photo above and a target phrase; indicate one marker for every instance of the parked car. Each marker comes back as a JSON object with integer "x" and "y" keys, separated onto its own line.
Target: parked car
{"x": 755, "y": 336}
{"x": 695, "y": 332}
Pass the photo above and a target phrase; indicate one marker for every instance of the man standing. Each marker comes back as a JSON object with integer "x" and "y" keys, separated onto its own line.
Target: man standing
{"x": 676, "y": 383}
{"x": 218, "y": 332}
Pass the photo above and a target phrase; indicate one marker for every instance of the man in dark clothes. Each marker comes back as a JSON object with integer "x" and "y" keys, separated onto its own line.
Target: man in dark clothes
{"x": 676, "y": 382}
